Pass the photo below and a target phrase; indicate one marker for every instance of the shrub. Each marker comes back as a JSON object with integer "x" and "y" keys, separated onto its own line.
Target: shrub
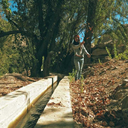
{"x": 108, "y": 53}
{"x": 124, "y": 55}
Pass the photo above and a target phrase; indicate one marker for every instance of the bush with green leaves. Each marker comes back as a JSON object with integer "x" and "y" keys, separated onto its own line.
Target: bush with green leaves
{"x": 108, "y": 53}
{"x": 115, "y": 52}
{"x": 99, "y": 61}
{"x": 124, "y": 55}
{"x": 121, "y": 56}
{"x": 72, "y": 75}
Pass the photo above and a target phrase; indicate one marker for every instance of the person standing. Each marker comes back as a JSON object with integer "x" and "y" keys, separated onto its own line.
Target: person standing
{"x": 79, "y": 51}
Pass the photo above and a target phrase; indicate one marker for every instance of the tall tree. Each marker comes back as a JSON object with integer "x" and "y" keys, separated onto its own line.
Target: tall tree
{"x": 38, "y": 20}
{"x": 102, "y": 19}
{"x": 47, "y": 22}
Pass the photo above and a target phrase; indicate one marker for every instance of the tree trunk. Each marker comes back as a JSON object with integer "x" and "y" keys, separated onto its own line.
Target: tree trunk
{"x": 36, "y": 68}
{"x": 47, "y": 62}
{"x": 89, "y": 27}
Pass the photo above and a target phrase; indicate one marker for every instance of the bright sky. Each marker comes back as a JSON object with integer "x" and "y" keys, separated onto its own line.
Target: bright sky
{"x": 12, "y": 4}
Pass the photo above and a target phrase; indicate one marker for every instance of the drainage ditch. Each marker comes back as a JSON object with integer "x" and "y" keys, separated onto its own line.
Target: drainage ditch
{"x": 29, "y": 121}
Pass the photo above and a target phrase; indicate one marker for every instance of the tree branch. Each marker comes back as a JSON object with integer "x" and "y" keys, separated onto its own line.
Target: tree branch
{"x": 2, "y": 33}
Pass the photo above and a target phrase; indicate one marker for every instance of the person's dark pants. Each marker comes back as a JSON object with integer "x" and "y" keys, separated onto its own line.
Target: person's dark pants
{"x": 78, "y": 66}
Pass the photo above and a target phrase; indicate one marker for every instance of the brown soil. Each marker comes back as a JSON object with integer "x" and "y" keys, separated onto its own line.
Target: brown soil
{"x": 14, "y": 81}
{"x": 92, "y": 97}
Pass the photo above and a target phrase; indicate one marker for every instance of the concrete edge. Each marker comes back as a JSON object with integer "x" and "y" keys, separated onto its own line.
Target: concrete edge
{"x": 11, "y": 113}
{"x": 14, "y": 123}
{"x": 58, "y": 111}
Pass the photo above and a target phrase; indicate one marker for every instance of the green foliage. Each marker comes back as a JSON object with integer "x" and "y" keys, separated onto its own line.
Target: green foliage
{"x": 5, "y": 48}
{"x": 6, "y": 8}
{"x": 72, "y": 76}
{"x": 124, "y": 55}
{"x": 115, "y": 52}
{"x": 57, "y": 21}
{"x": 9, "y": 57}
{"x": 26, "y": 54}
{"x": 106, "y": 21}
{"x": 16, "y": 52}
{"x": 99, "y": 61}
{"x": 108, "y": 53}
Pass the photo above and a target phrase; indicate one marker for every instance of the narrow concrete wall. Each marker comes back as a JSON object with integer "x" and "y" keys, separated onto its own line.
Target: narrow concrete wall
{"x": 58, "y": 111}
{"x": 16, "y": 104}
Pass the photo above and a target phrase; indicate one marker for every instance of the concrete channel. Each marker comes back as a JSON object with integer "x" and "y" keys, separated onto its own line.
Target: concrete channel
{"x": 52, "y": 110}
{"x": 17, "y": 104}
{"x": 30, "y": 119}
{"x": 49, "y": 108}
{"x": 58, "y": 111}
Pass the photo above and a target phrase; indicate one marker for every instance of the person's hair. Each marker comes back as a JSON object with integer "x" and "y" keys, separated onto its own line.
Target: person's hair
{"x": 76, "y": 36}
{"x": 74, "y": 42}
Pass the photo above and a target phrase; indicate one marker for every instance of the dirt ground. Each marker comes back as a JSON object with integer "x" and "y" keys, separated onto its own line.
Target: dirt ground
{"x": 11, "y": 82}
{"x": 92, "y": 97}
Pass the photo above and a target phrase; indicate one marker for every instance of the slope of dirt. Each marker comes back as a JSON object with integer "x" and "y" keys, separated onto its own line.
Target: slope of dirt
{"x": 96, "y": 102}
{"x": 11, "y": 82}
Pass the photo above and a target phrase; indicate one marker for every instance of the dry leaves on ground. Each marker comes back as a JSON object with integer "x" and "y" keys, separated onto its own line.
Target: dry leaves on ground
{"x": 11, "y": 82}
{"x": 92, "y": 96}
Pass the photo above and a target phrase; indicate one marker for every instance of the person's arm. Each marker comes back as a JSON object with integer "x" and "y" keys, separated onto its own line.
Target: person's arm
{"x": 86, "y": 52}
